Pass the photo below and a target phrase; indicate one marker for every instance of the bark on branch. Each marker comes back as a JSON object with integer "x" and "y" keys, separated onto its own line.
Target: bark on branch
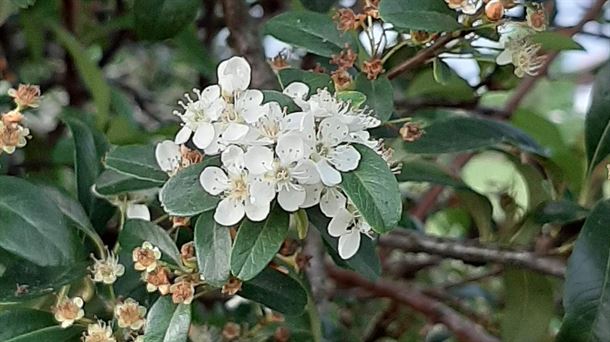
{"x": 472, "y": 252}
{"x": 435, "y": 311}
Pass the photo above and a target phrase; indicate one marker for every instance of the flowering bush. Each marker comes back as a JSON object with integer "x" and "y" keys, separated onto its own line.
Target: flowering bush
{"x": 332, "y": 155}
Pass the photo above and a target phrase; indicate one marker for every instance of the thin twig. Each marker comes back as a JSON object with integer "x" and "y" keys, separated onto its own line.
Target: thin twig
{"x": 435, "y": 311}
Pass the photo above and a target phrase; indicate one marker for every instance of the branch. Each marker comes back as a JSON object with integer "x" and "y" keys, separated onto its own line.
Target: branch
{"x": 245, "y": 40}
{"x": 472, "y": 252}
{"x": 435, "y": 311}
{"x": 528, "y": 83}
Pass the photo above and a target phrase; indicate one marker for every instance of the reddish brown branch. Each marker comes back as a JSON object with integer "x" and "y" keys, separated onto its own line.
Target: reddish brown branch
{"x": 435, "y": 311}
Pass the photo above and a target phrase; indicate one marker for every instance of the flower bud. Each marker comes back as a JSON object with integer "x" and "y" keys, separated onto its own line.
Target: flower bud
{"x": 494, "y": 10}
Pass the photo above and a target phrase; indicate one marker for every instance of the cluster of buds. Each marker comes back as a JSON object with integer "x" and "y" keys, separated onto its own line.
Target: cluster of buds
{"x": 344, "y": 61}
{"x": 13, "y": 134}
{"x": 180, "y": 283}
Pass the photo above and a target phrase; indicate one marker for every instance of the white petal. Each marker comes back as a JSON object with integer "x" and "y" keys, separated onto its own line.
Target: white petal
{"x": 301, "y": 122}
{"x": 261, "y": 191}
{"x": 290, "y": 148}
{"x": 291, "y": 199}
{"x": 229, "y": 212}
{"x": 340, "y": 223}
{"x": 259, "y": 160}
{"x": 332, "y": 200}
{"x": 138, "y": 211}
{"x": 344, "y": 158}
{"x": 210, "y": 94}
{"x": 333, "y": 131}
{"x": 312, "y": 195}
{"x": 349, "y": 244}
{"x": 204, "y": 135}
{"x": 168, "y": 155}
{"x": 257, "y": 211}
{"x": 183, "y": 135}
{"x": 234, "y": 75}
{"x": 297, "y": 90}
{"x": 234, "y": 132}
{"x": 505, "y": 57}
{"x": 248, "y": 105}
{"x": 214, "y": 180}
{"x": 233, "y": 159}
{"x": 328, "y": 175}
{"x": 305, "y": 172}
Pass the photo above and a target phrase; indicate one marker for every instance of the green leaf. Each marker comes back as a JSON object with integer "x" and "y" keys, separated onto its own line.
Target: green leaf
{"x": 137, "y": 161}
{"x": 112, "y": 183}
{"x": 459, "y": 134}
{"x": 314, "y": 80}
{"x": 35, "y": 281}
{"x": 420, "y": 15}
{"x": 277, "y": 291}
{"x": 213, "y": 246}
{"x": 366, "y": 261}
{"x": 374, "y": 190}
{"x": 30, "y": 325}
{"x": 167, "y": 322}
{"x": 441, "y": 71}
{"x": 161, "y": 19}
{"x": 257, "y": 243}
{"x": 183, "y": 195}
{"x": 559, "y": 212}
{"x": 301, "y": 223}
{"x": 586, "y": 297}
{"x": 425, "y": 87}
{"x": 379, "y": 95}
{"x": 194, "y": 54}
{"x": 89, "y": 71}
{"x": 314, "y": 32}
{"x": 33, "y": 227}
{"x": 321, "y": 6}
{"x": 87, "y": 156}
{"x": 23, "y": 3}
{"x": 555, "y": 41}
{"x": 283, "y": 100}
{"x": 597, "y": 124}
{"x": 356, "y": 98}
{"x": 529, "y": 306}
{"x": 137, "y": 231}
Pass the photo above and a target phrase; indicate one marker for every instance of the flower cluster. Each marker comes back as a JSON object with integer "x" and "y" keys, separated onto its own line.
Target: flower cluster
{"x": 13, "y": 134}
{"x": 267, "y": 153}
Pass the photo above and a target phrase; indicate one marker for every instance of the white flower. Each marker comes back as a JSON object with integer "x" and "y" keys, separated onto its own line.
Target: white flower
{"x": 267, "y": 129}
{"x": 240, "y": 116}
{"x": 199, "y": 116}
{"x": 520, "y": 51}
{"x": 330, "y": 154}
{"x": 99, "y": 332}
{"x": 145, "y": 257}
{"x": 466, "y": 6}
{"x": 130, "y": 314}
{"x": 234, "y": 75}
{"x": 168, "y": 156}
{"x": 331, "y": 199}
{"x": 348, "y": 226}
{"x": 68, "y": 310}
{"x": 137, "y": 211}
{"x": 242, "y": 194}
{"x": 108, "y": 269}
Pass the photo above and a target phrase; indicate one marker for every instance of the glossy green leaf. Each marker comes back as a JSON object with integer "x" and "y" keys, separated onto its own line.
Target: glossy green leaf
{"x": 87, "y": 157}
{"x": 135, "y": 232}
{"x": 257, "y": 243}
{"x": 459, "y": 134}
{"x": 586, "y": 297}
{"x": 32, "y": 225}
{"x": 374, "y": 190}
{"x": 314, "y": 80}
{"x": 425, "y": 87}
{"x": 112, "y": 183}
{"x": 30, "y": 325}
{"x": 213, "y": 246}
{"x": 421, "y": 15}
{"x": 314, "y": 32}
{"x": 137, "y": 161}
{"x": 161, "y": 19}
{"x": 597, "y": 124}
{"x": 379, "y": 95}
{"x": 23, "y": 3}
{"x": 283, "y": 100}
{"x": 529, "y": 306}
{"x": 555, "y": 41}
{"x": 365, "y": 262}
{"x": 89, "y": 71}
{"x": 167, "y": 322}
{"x": 559, "y": 212}
{"x": 441, "y": 71}
{"x": 321, "y": 6}
{"x": 356, "y": 98}
{"x": 183, "y": 194}
{"x": 277, "y": 291}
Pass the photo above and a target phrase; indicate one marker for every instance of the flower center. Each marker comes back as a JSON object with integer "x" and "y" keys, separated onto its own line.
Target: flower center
{"x": 238, "y": 189}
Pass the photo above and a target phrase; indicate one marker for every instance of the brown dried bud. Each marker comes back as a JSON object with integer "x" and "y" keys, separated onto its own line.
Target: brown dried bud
{"x": 179, "y": 221}
{"x": 189, "y": 157}
{"x": 371, "y": 9}
{"x": 372, "y": 68}
{"x": 187, "y": 254}
{"x": 342, "y": 79}
{"x": 421, "y": 37}
{"x": 232, "y": 286}
{"x": 279, "y": 62}
{"x": 158, "y": 279}
{"x": 536, "y": 19}
{"x": 182, "y": 291}
{"x": 289, "y": 247}
{"x": 345, "y": 59}
{"x": 231, "y": 331}
{"x": 319, "y": 69}
{"x": 411, "y": 131}
{"x": 281, "y": 334}
{"x": 494, "y": 10}
{"x": 348, "y": 20}
{"x": 25, "y": 95}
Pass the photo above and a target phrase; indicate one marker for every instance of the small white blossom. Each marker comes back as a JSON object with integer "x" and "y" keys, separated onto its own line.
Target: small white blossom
{"x": 108, "y": 269}
{"x": 199, "y": 116}
{"x": 168, "y": 156}
{"x": 99, "y": 332}
{"x": 145, "y": 257}
{"x": 347, "y": 226}
{"x": 466, "y": 6}
{"x": 130, "y": 314}
{"x": 68, "y": 310}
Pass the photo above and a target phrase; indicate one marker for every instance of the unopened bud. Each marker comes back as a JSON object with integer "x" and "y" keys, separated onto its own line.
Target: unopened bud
{"x": 494, "y": 10}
